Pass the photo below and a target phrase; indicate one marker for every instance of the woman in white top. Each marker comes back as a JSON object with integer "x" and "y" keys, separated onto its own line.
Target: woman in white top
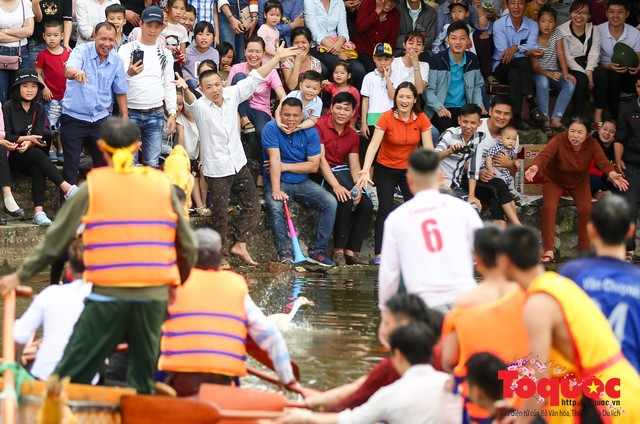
{"x": 16, "y": 24}
{"x": 90, "y": 13}
{"x": 582, "y": 49}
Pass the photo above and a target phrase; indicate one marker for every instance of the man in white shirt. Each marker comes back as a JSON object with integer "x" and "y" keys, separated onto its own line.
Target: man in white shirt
{"x": 57, "y": 309}
{"x": 418, "y": 397}
{"x": 150, "y": 85}
{"x": 428, "y": 240}
{"x": 224, "y": 163}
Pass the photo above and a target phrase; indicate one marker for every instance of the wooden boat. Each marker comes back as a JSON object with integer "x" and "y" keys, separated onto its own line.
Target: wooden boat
{"x": 114, "y": 405}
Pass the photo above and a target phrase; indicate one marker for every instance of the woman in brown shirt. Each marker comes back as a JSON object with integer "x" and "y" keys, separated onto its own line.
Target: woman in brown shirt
{"x": 565, "y": 163}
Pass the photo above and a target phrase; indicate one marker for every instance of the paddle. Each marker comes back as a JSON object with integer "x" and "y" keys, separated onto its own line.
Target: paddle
{"x": 263, "y": 357}
{"x": 8, "y": 350}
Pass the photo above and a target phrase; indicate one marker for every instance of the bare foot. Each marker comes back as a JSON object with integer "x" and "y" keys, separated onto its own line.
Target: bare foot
{"x": 239, "y": 250}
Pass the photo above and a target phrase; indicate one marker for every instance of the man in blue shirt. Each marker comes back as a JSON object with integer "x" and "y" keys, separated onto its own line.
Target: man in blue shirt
{"x": 516, "y": 40}
{"x": 94, "y": 71}
{"x": 290, "y": 156}
{"x": 454, "y": 80}
{"x": 610, "y": 281}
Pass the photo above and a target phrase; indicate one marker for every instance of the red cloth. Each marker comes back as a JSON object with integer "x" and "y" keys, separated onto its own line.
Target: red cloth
{"x": 371, "y": 31}
{"x": 52, "y": 66}
{"x": 337, "y": 146}
{"x": 381, "y": 375}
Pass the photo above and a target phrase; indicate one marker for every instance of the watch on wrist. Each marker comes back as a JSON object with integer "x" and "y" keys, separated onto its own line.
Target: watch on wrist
{"x": 254, "y": 18}
{"x": 172, "y": 114}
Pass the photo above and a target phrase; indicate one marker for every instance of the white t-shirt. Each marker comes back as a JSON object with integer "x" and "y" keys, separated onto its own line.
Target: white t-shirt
{"x": 178, "y": 31}
{"x": 191, "y": 136}
{"x": 428, "y": 241}
{"x": 151, "y": 87}
{"x": 400, "y": 72}
{"x": 489, "y": 141}
{"x": 374, "y": 87}
{"x": 56, "y": 309}
{"x": 90, "y": 13}
{"x": 14, "y": 19}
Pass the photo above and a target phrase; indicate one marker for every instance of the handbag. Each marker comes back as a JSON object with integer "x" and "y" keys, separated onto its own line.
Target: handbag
{"x": 12, "y": 63}
{"x": 245, "y": 15}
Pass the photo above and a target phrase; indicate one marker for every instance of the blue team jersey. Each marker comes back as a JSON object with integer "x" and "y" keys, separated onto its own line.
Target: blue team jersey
{"x": 615, "y": 286}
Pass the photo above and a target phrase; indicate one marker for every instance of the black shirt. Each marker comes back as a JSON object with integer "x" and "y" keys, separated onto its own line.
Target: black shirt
{"x": 61, "y": 10}
{"x": 136, "y": 6}
{"x": 17, "y": 122}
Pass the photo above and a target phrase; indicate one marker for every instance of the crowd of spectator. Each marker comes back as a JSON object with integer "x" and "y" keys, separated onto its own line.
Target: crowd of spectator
{"x": 352, "y": 79}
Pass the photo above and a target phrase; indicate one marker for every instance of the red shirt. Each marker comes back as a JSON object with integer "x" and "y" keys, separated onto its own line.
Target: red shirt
{"x": 52, "y": 66}
{"x": 337, "y": 146}
{"x": 370, "y": 30}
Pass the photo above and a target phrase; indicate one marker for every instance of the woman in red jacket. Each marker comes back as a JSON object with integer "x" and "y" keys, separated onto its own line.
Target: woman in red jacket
{"x": 565, "y": 162}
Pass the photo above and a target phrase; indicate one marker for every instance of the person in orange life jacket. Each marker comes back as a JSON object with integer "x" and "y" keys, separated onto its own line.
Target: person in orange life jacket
{"x": 204, "y": 338}
{"x": 570, "y": 338}
{"x": 496, "y": 301}
{"x": 137, "y": 242}
{"x": 401, "y": 309}
{"x": 486, "y": 389}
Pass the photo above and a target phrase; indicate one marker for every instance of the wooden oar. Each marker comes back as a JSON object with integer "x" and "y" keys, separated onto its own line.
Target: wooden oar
{"x": 9, "y": 352}
{"x": 263, "y": 357}
{"x": 303, "y": 391}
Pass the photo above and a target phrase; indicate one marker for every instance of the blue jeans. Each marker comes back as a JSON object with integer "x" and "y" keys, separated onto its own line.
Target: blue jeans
{"x": 7, "y": 77}
{"x": 236, "y": 40}
{"x": 543, "y": 85}
{"x": 35, "y": 48}
{"x": 53, "y": 110}
{"x": 151, "y": 126}
{"x": 310, "y": 195}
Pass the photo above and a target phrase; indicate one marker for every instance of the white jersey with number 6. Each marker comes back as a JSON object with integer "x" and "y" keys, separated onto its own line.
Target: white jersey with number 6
{"x": 428, "y": 241}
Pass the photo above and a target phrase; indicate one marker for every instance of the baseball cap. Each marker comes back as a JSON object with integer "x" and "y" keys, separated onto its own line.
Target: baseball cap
{"x": 152, "y": 14}
{"x": 463, "y": 3}
{"x": 383, "y": 49}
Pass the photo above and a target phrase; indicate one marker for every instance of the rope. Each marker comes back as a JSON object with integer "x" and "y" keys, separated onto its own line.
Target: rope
{"x": 20, "y": 375}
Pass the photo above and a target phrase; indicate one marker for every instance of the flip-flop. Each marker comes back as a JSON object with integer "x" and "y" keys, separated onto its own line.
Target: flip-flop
{"x": 547, "y": 259}
{"x": 630, "y": 257}
{"x": 549, "y": 131}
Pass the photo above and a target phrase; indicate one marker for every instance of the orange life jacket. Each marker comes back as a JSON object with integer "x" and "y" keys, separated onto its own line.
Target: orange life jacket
{"x": 207, "y": 326}
{"x": 596, "y": 353}
{"x": 130, "y": 230}
{"x": 497, "y": 327}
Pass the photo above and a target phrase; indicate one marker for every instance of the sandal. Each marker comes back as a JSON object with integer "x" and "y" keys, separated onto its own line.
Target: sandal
{"x": 248, "y": 128}
{"x": 547, "y": 259}
{"x": 549, "y": 131}
{"x": 203, "y": 211}
{"x": 630, "y": 256}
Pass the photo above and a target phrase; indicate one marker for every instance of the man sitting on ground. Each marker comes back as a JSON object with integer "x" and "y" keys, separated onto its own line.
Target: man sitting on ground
{"x": 204, "y": 338}
{"x": 289, "y": 159}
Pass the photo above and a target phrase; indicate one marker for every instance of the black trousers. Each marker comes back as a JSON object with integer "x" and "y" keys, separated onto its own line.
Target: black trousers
{"x": 501, "y": 190}
{"x": 488, "y": 195}
{"x": 519, "y": 75}
{"x": 35, "y": 163}
{"x": 607, "y": 88}
{"x": 5, "y": 174}
{"x": 348, "y": 234}
{"x": 442, "y": 124}
{"x": 75, "y": 135}
{"x": 386, "y": 180}
{"x": 581, "y": 93}
{"x": 632, "y": 173}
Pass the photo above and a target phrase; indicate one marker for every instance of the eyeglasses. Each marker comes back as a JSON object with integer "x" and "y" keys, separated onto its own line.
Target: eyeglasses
{"x": 584, "y": 13}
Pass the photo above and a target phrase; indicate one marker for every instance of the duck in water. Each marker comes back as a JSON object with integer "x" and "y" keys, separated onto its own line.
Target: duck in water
{"x": 283, "y": 320}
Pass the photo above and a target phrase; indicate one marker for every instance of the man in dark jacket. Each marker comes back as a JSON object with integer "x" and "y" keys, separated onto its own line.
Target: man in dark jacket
{"x": 425, "y": 22}
{"x": 627, "y": 153}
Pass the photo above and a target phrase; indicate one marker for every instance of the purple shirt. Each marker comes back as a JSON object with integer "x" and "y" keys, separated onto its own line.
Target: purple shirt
{"x": 194, "y": 57}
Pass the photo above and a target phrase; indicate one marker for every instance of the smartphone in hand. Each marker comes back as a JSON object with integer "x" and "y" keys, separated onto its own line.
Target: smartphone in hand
{"x": 138, "y": 56}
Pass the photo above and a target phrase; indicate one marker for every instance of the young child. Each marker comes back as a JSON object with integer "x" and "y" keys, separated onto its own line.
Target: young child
{"x": 342, "y": 83}
{"x": 205, "y": 65}
{"x": 225, "y": 50}
{"x": 600, "y": 185}
{"x": 189, "y": 137}
{"x": 188, "y": 21}
{"x": 199, "y": 51}
{"x": 136, "y": 33}
{"x": 268, "y": 31}
{"x": 116, "y": 15}
{"x": 503, "y": 180}
{"x": 175, "y": 34}
{"x": 377, "y": 89}
{"x": 551, "y": 71}
{"x": 310, "y": 87}
{"x": 50, "y": 66}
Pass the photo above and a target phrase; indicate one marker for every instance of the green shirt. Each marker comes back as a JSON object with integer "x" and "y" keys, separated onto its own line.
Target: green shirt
{"x": 65, "y": 227}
